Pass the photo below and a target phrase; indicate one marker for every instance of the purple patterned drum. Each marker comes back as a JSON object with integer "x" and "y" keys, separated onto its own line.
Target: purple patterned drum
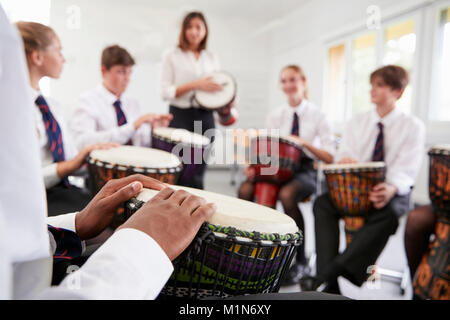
{"x": 188, "y": 146}
{"x": 244, "y": 248}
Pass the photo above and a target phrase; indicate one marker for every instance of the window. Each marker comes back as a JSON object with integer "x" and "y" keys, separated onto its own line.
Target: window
{"x": 357, "y": 56}
{"x": 399, "y": 49}
{"x": 364, "y": 61}
{"x": 336, "y": 83}
{"x": 440, "y": 107}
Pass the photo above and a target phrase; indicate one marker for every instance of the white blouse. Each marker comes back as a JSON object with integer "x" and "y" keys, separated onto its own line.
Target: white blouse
{"x": 313, "y": 125}
{"x": 180, "y": 67}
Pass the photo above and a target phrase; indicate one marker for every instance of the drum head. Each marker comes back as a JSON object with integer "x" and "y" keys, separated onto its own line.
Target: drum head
{"x": 443, "y": 149}
{"x": 218, "y": 99}
{"x": 240, "y": 214}
{"x": 136, "y": 157}
{"x": 176, "y": 136}
{"x": 354, "y": 167}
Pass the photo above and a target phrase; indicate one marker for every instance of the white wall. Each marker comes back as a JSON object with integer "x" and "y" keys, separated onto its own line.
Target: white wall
{"x": 146, "y": 29}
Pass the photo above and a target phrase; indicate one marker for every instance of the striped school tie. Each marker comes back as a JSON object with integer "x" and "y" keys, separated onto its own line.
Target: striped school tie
{"x": 295, "y": 131}
{"x": 378, "y": 152}
{"x": 68, "y": 244}
{"x": 54, "y": 133}
{"x": 121, "y": 119}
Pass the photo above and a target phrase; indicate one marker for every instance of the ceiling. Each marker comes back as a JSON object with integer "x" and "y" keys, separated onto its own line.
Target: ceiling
{"x": 256, "y": 10}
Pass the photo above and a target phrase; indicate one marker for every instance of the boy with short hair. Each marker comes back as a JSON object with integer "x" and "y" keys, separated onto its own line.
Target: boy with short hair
{"x": 382, "y": 134}
{"x": 106, "y": 114}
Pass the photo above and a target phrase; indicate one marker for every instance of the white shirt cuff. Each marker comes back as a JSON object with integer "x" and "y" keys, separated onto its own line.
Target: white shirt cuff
{"x": 51, "y": 177}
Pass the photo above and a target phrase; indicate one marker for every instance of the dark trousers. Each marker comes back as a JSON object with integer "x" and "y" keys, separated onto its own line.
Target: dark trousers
{"x": 366, "y": 245}
{"x": 61, "y": 199}
{"x": 185, "y": 119}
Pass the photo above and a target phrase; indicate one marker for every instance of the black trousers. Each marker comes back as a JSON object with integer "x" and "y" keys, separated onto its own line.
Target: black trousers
{"x": 61, "y": 199}
{"x": 185, "y": 119}
{"x": 366, "y": 245}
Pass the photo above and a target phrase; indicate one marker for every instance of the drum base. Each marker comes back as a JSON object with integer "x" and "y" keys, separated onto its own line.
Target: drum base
{"x": 432, "y": 280}
{"x": 266, "y": 194}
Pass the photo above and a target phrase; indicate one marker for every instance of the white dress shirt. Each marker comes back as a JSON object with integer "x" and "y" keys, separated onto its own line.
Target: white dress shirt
{"x": 94, "y": 120}
{"x": 313, "y": 125}
{"x": 404, "y": 144}
{"x": 180, "y": 67}
{"x": 49, "y": 172}
{"x": 130, "y": 265}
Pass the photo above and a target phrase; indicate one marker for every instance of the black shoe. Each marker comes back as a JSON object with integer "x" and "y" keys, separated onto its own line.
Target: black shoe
{"x": 319, "y": 285}
{"x": 296, "y": 273}
{"x": 311, "y": 283}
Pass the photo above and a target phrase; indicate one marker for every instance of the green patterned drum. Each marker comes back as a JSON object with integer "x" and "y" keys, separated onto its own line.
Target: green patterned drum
{"x": 244, "y": 248}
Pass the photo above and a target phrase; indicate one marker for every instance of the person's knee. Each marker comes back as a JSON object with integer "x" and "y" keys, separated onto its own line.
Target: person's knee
{"x": 321, "y": 205}
{"x": 246, "y": 191}
{"x": 287, "y": 197}
{"x": 419, "y": 220}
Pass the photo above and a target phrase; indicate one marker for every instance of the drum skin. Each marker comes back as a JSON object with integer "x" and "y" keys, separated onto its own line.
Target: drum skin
{"x": 432, "y": 278}
{"x": 349, "y": 192}
{"x": 189, "y": 169}
{"x": 100, "y": 172}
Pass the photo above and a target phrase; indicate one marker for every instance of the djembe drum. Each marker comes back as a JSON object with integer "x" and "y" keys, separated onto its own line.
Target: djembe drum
{"x": 349, "y": 186}
{"x": 275, "y": 160}
{"x": 190, "y": 147}
{"x": 220, "y": 100}
{"x": 104, "y": 165}
{"x": 432, "y": 279}
{"x": 244, "y": 248}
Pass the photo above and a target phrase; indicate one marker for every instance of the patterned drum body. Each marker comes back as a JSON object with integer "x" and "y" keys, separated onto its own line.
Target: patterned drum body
{"x": 189, "y": 147}
{"x": 104, "y": 165}
{"x": 349, "y": 187}
{"x": 226, "y": 261}
{"x": 439, "y": 178}
{"x": 282, "y": 156}
{"x": 432, "y": 279}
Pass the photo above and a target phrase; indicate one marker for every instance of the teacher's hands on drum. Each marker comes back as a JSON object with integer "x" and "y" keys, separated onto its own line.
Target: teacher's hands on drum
{"x": 66, "y": 168}
{"x": 172, "y": 218}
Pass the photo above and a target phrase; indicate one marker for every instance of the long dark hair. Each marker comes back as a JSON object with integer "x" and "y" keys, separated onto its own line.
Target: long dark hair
{"x": 183, "y": 43}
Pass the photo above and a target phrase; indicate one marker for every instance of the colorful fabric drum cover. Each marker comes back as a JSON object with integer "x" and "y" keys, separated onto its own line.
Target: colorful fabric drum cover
{"x": 275, "y": 160}
{"x": 432, "y": 278}
{"x": 243, "y": 249}
{"x": 114, "y": 163}
{"x": 349, "y": 186}
{"x": 220, "y": 100}
{"x": 191, "y": 148}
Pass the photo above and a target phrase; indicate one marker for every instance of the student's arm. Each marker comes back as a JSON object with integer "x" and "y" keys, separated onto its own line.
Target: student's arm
{"x": 403, "y": 171}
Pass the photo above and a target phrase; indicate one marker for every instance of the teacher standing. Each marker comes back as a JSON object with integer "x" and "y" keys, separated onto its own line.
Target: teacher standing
{"x": 184, "y": 70}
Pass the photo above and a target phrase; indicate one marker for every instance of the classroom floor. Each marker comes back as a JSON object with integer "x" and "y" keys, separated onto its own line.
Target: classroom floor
{"x": 392, "y": 262}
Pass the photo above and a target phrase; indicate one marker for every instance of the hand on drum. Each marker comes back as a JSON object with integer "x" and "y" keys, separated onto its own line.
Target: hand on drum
{"x": 65, "y": 168}
{"x": 172, "y": 218}
{"x": 299, "y": 140}
{"x": 207, "y": 84}
{"x": 347, "y": 160}
{"x": 99, "y": 213}
{"x": 155, "y": 120}
{"x": 381, "y": 194}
